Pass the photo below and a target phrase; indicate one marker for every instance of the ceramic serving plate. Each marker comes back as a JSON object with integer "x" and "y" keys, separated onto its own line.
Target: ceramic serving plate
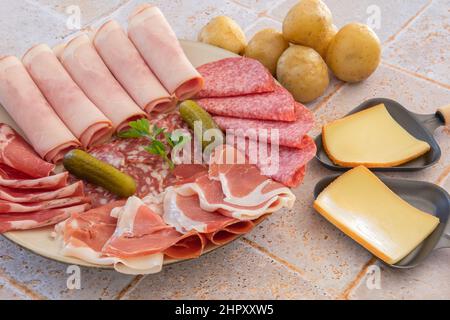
{"x": 40, "y": 241}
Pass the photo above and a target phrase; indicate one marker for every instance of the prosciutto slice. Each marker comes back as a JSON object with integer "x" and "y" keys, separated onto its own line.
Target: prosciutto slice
{"x": 32, "y": 220}
{"x": 127, "y": 65}
{"x": 16, "y": 153}
{"x": 84, "y": 235}
{"x": 21, "y": 98}
{"x": 88, "y": 70}
{"x": 50, "y": 183}
{"x": 80, "y": 115}
{"x": 13, "y": 207}
{"x": 185, "y": 214}
{"x": 152, "y": 35}
{"x": 32, "y": 195}
{"x": 140, "y": 232}
{"x": 290, "y": 133}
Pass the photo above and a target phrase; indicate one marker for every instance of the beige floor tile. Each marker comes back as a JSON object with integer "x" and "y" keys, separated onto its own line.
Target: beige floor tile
{"x": 424, "y": 46}
{"x": 234, "y": 272}
{"x": 393, "y": 13}
{"x": 24, "y": 24}
{"x": 48, "y": 278}
{"x": 9, "y": 292}
{"x": 260, "y": 24}
{"x": 260, "y": 6}
{"x": 430, "y": 280}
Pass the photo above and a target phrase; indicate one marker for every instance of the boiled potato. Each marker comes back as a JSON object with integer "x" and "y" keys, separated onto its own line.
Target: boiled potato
{"x": 266, "y": 46}
{"x": 309, "y": 23}
{"x": 322, "y": 47}
{"x": 224, "y": 32}
{"x": 354, "y": 53}
{"x": 303, "y": 72}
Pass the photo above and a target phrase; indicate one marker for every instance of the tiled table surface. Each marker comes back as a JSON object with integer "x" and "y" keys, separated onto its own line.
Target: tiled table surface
{"x": 293, "y": 254}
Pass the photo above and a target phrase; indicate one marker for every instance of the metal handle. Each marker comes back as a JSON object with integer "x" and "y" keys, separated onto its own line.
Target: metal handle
{"x": 444, "y": 113}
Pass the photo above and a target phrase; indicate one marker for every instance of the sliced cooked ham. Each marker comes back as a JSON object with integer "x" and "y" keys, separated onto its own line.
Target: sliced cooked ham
{"x": 32, "y": 195}
{"x": 237, "y": 76}
{"x": 14, "y": 207}
{"x": 185, "y": 214}
{"x": 80, "y": 115}
{"x": 278, "y": 105}
{"x": 127, "y": 65}
{"x": 152, "y": 35}
{"x": 32, "y": 220}
{"x": 50, "y": 183}
{"x": 16, "y": 153}
{"x": 21, "y": 98}
{"x": 140, "y": 232}
{"x": 88, "y": 70}
{"x": 290, "y": 133}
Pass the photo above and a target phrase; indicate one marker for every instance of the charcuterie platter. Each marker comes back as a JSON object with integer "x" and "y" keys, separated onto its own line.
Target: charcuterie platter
{"x": 127, "y": 149}
{"x": 40, "y": 240}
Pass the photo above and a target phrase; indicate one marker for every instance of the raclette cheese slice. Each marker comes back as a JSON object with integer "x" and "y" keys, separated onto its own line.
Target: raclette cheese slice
{"x": 364, "y": 208}
{"x": 371, "y": 138}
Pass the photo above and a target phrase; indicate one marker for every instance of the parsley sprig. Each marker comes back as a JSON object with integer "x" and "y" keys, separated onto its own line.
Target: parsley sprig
{"x": 141, "y": 129}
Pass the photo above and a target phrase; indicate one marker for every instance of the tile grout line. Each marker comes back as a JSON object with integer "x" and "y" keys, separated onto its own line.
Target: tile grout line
{"x": 327, "y": 98}
{"x": 22, "y": 287}
{"x": 274, "y": 257}
{"x": 443, "y": 175}
{"x": 414, "y": 74}
{"x": 407, "y": 23}
{"x": 345, "y": 294}
{"x": 129, "y": 287}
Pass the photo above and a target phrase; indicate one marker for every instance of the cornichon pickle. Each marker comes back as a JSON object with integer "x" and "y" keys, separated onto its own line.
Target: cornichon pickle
{"x": 191, "y": 112}
{"x": 84, "y": 166}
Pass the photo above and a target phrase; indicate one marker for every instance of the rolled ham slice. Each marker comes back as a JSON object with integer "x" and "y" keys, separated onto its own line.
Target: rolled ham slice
{"x": 152, "y": 35}
{"x": 16, "y": 153}
{"x": 32, "y": 220}
{"x": 127, "y": 65}
{"x": 80, "y": 115}
{"x": 20, "y": 96}
{"x": 88, "y": 70}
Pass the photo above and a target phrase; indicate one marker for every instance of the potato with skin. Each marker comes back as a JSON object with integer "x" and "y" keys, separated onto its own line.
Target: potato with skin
{"x": 224, "y": 32}
{"x": 266, "y": 46}
{"x": 302, "y": 71}
{"x": 355, "y": 53}
{"x": 322, "y": 47}
{"x": 308, "y": 23}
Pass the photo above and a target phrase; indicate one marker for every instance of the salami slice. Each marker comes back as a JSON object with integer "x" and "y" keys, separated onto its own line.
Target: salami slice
{"x": 290, "y": 168}
{"x": 235, "y": 77}
{"x": 290, "y": 133}
{"x": 278, "y": 105}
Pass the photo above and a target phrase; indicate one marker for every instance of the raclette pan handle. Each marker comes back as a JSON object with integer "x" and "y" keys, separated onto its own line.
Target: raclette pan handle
{"x": 444, "y": 113}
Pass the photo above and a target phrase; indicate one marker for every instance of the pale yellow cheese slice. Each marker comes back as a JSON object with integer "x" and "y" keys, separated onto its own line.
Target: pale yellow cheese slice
{"x": 372, "y": 138}
{"x": 364, "y": 208}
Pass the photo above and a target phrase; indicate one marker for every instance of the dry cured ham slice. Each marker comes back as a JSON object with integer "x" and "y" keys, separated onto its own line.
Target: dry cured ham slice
{"x": 286, "y": 166}
{"x": 84, "y": 235}
{"x": 20, "y": 96}
{"x": 16, "y": 153}
{"x": 235, "y": 77}
{"x": 140, "y": 232}
{"x": 32, "y": 195}
{"x": 152, "y": 35}
{"x": 49, "y": 183}
{"x": 278, "y": 105}
{"x": 88, "y": 70}
{"x": 185, "y": 214}
{"x": 13, "y": 207}
{"x": 127, "y": 65}
{"x": 79, "y": 114}
{"x": 290, "y": 133}
{"x": 32, "y": 220}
